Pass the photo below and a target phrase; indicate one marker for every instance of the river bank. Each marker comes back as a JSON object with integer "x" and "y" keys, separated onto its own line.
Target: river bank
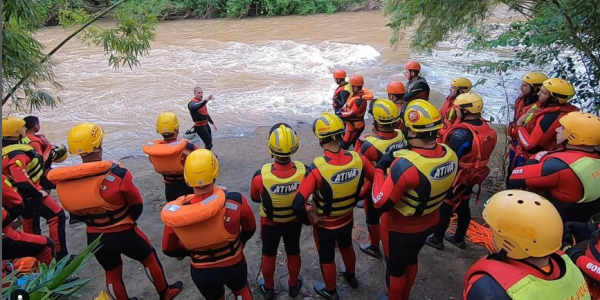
{"x": 166, "y": 10}
{"x": 440, "y": 276}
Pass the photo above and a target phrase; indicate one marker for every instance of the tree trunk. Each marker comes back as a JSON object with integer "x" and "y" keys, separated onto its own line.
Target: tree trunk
{"x": 47, "y": 57}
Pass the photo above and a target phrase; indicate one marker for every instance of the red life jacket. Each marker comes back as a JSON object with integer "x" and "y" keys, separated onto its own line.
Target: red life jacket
{"x": 447, "y": 107}
{"x": 519, "y": 110}
{"x": 473, "y": 169}
{"x": 335, "y": 95}
{"x": 199, "y": 117}
{"x": 359, "y": 114}
{"x": 537, "y": 116}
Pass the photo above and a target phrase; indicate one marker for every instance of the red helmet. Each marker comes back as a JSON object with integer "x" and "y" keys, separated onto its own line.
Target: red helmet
{"x": 339, "y": 74}
{"x": 357, "y": 80}
{"x": 395, "y": 87}
{"x": 413, "y": 66}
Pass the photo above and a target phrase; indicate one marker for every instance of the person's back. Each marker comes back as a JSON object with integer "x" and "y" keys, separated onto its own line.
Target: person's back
{"x": 274, "y": 186}
{"x": 524, "y": 267}
{"x": 225, "y": 221}
{"x": 169, "y": 154}
{"x": 102, "y": 194}
{"x": 334, "y": 180}
{"x": 563, "y": 176}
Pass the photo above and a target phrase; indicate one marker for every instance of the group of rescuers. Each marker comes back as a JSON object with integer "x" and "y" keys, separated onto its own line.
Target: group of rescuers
{"x": 418, "y": 166}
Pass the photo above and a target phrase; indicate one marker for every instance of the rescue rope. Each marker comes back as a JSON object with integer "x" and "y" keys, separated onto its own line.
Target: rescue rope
{"x": 479, "y": 234}
{"x": 357, "y": 232}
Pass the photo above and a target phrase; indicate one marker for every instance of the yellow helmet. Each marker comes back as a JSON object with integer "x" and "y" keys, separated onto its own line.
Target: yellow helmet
{"x": 201, "y": 168}
{"x": 13, "y": 127}
{"x": 422, "y": 116}
{"x": 462, "y": 84}
{"x": 581, "y": 128}
{"x": 167, "y": 123}
{"x": 560, "y": 89}
{"x": 327, "y": 125}
{"x": 85, "y": 138}
{"x": 524, "y": 224}
{"x": 470, "y": 102}
{"x": 535, "y": 78}
{"x": 385, "y": 111}
{"x": 283, "y": 141}
{"x": 59, "y": 153}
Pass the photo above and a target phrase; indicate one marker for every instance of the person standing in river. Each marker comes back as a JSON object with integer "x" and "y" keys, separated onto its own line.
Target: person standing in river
{"x": 201, "y": 118}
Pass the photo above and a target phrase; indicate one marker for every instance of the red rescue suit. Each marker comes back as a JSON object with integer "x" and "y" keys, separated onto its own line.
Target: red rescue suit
{"x": 353, "y": 115}
{"x": 551, "y": 175}
{"x": 539, "y": 134}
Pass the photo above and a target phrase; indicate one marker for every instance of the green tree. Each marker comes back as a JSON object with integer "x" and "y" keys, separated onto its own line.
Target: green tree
{"x": 25, "y": 66}
{"x": 563, "y": 34}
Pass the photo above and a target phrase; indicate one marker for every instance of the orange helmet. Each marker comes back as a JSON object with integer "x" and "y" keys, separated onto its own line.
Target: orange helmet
{"x": 357, "y": 80}
{"x": 413, "y": 66}
{"x": 395, "y": 87}
{"x": 339, "y": 74}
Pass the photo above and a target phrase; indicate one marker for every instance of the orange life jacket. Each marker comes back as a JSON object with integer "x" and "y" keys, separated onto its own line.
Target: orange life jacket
{"x": 473, "y": 169}
{"x": 359, "y": 116}
{"x": 166, "y": 157}
{"x": 201, "y": 227}
{"x": 79, "y": 187}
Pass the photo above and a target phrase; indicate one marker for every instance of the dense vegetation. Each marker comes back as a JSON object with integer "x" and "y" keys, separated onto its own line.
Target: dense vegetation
{"x": 563, "y": 34}
{"x": 171, "y": 9}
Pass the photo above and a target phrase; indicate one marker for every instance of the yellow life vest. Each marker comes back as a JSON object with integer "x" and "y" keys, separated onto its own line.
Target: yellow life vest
{"x": 587, "y": 170}
{"x": 383, "y": 145}
{"x": 437, "y": 176}
{"x": 276, "y": 204}
{"x": 570, "y": 286}
{"x": 341, "y": 186}
{"x": 35, "y": 167}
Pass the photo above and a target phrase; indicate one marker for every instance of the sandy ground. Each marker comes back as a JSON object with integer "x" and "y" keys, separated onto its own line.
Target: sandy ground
{"x": 440, "y": 275}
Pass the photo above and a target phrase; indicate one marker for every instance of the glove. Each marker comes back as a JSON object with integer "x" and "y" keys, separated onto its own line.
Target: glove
{"x": 386, "y": 161}
{"x": 580, "y": 231}
{"x": 28, "y": 192}
{"x": 573, "y": 253}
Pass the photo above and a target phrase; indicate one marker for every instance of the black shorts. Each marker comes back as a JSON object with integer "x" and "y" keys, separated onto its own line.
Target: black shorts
{"x": 211, "y": 282}
{"x": 272, "y": 234}
{"x": 132, "y": 242}
{"x": 326, "y": 239}
{"x": 404, "y": 250}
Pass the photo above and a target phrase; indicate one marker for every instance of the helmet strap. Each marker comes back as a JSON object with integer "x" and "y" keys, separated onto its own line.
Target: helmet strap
{"x": 282, "y": 159}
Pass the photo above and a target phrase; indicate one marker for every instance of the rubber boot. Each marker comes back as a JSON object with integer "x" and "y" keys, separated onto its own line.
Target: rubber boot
{"x": 450, "y": 238}
{"x": 268, "y": 293}
{"x": 433, "y": 242}
{"x": 323, "y": 292}
{"x": 369, "y": 250}
{"x": 295, "y": 290}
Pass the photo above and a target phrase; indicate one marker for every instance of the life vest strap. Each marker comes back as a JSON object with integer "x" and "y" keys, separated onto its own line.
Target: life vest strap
{"x": 210, "y": 255}
{"x": 417, "y": 199}
{"x": 114, "y": 217}
{"x": 173, "y": 177}
{"x": 327, "y": 206}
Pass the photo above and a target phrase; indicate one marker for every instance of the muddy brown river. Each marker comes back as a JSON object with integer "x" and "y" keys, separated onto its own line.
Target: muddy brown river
{"x": 260, "y": 71}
